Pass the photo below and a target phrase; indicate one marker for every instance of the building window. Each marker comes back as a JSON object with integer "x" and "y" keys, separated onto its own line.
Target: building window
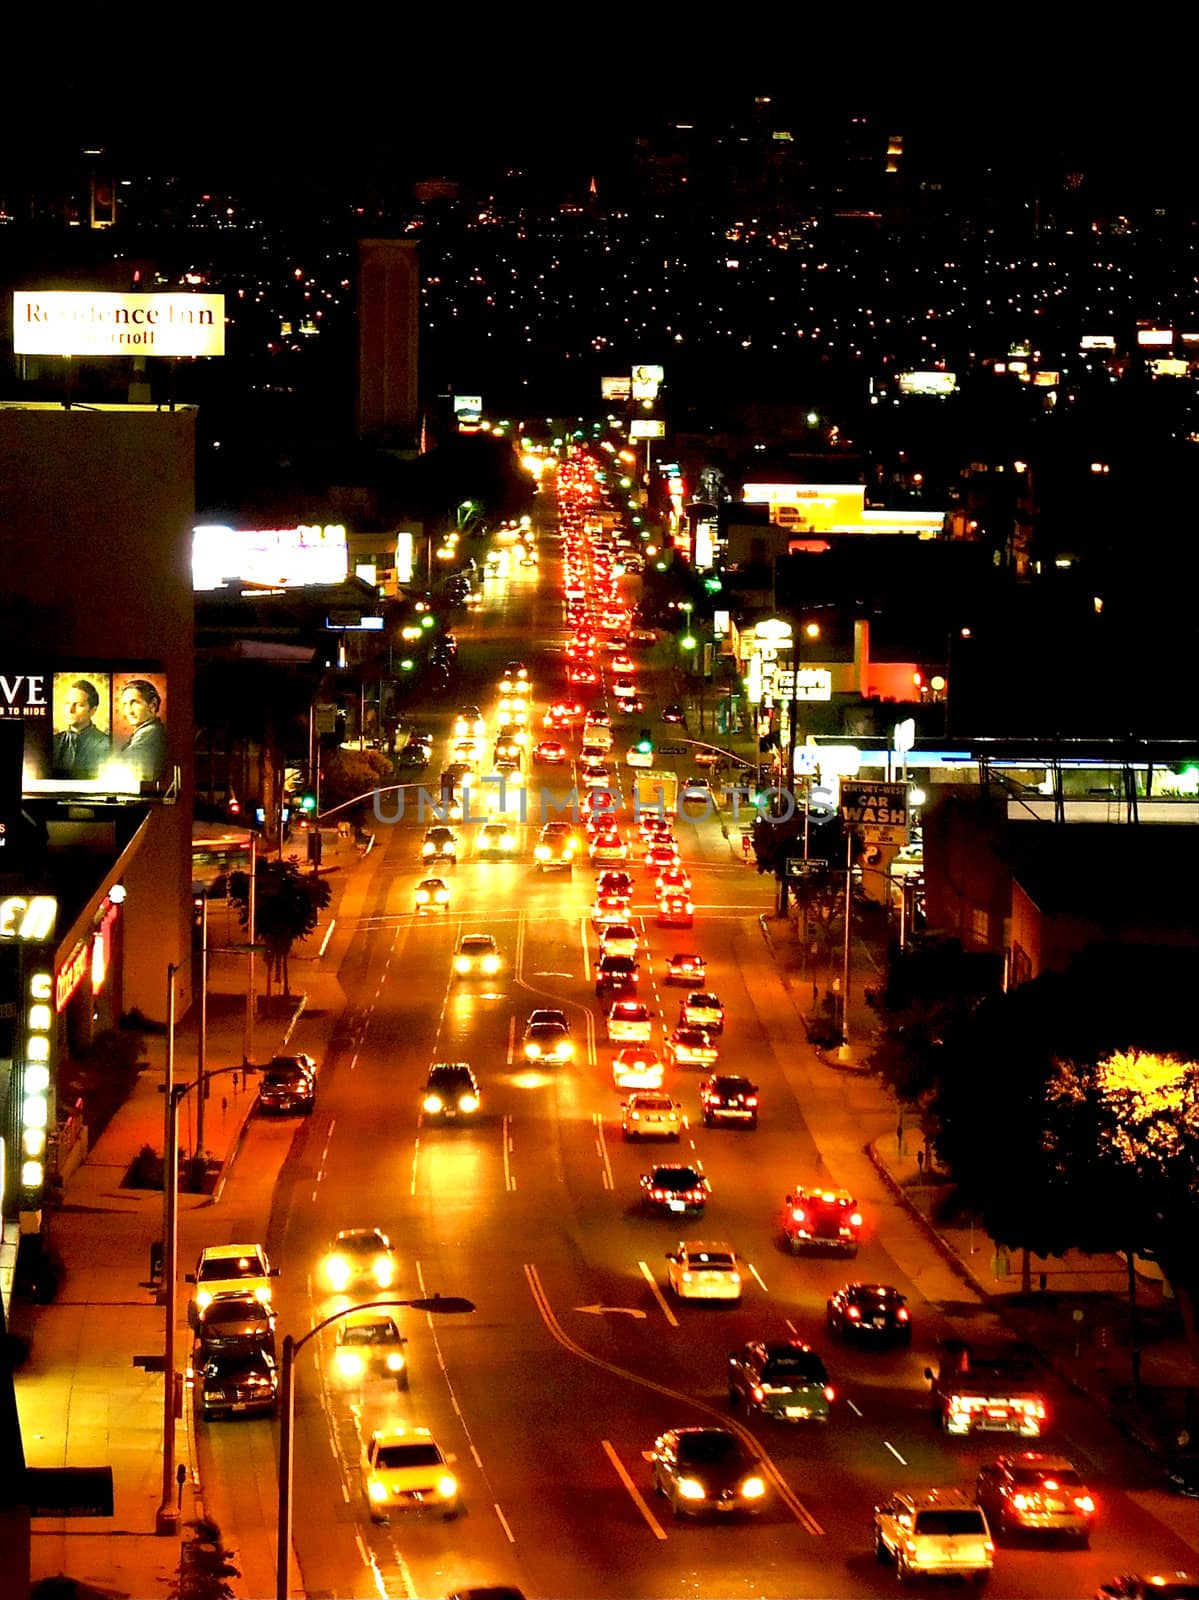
{"x": 980, "y": 926}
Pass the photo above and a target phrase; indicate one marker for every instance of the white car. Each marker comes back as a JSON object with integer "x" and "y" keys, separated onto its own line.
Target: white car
{"x": 594, "y": 733}
{"x": 651, "y": 1116}
{"x": 619, "y": 939}
{"x": 637, "y": 1066}
{"x": 469, "y": 723}
{"x": 629, "y": 1023}
{"x": 703, "y": 1269}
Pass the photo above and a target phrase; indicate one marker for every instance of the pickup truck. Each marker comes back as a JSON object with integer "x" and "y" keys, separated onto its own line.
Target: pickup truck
{"x": 975, "y": 1390}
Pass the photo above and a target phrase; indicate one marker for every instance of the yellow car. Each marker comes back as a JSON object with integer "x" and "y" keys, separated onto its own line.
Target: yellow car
{"x": 359, "y": 1258}
{"x": 404, "y": 1469}
{"x": 432, "y": 895}
{"x": 477, "y": 955}
{"x": 231, "y": 1269}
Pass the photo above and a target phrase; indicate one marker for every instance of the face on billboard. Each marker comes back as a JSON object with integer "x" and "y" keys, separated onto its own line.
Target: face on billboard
{"x": 91, "y": 724}
{"x": 82, "y": 739}
{"x": 139, "y": 712}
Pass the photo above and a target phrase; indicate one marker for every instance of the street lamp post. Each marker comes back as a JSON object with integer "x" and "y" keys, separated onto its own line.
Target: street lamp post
{"x": 443, "y": 1304}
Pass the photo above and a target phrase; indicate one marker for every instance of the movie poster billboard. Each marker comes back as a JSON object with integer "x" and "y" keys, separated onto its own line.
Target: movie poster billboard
{"x": 89, "y": 725}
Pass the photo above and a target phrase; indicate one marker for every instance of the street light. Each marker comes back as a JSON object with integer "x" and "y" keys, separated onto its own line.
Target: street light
{"x": 446, "y": 1305}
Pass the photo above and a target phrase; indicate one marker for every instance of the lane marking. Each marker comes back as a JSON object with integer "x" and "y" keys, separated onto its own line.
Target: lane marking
{"x": 757, "y": 1275}
{"x": 556, "y": 1332}
{"x": 609, "y": 1182}
{"x": 511, "y": 1037}
{"x": 325, "y": 941}
{"x": 506, "y": 1137}
{"x": 853, "y": 1408}
{"x": 638, "y": 1499}
{"x": 894, "y": 1452}
{"x": 583, "y": 947}
{"x": 504, "y": 1522}
{"x": 415, "y": 1157}
{"x": 658, "y": 1296}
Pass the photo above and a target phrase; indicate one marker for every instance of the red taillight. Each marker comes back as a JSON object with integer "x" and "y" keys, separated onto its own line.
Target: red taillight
{"x": 855, "y": 1220}
{"x": 902, "y": 1315}
{"x": 829, "y": 1392}
{"x": 1084, "y": 1503}
{"x": 853, "y": 1314}
{"x": 751, "y": 1099}
{"x": 797, "y": 1214}
{"x": 759, "y": 1394}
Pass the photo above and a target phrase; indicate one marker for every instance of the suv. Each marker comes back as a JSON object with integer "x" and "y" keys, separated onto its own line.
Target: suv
{"x": 288, "y": 1084}
{"x": 556, "y": 846}
{"x": 451, "y": 1090}
{"x": 821, "y": 1219}
{"x": 1035, "y": 1493}
{"x": 729, "y": 1099}
{"x": 942, "y": 1532}
{"x": 230, "y": 1269}
{"x": 369, "y": 1345}
{"x": 784, "y": 1379}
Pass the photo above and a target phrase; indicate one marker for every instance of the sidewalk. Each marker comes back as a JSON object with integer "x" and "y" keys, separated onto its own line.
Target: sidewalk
{"x": 1077, "y": 1315}
{"x": 81, "y": 1400}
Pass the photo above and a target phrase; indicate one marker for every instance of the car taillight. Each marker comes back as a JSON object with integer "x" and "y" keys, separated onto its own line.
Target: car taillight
{"x": 903, "y": 1315}
{"x": 829, "y": 1392}
{"x": 657, "y": 1194}
{"x": 853, "y": 1314}
{"x": 751, "y": 1099}
{"x": 855, "y": 1220}
{"x": 759, "y": 1393}
{"x": 1021, "y": 1502}
{"x": 1084, "y": 1503}
{"x": 797, "y": 1214}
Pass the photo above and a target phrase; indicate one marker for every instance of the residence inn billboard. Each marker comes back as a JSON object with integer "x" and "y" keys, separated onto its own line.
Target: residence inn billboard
{"x": 54, "y": 322}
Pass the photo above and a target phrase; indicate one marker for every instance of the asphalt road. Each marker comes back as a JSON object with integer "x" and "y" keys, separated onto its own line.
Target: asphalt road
{"x": 577, "y": 1356}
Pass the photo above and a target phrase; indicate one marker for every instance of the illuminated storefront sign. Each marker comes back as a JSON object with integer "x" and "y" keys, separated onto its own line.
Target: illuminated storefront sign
{"x": 74, "y": 323}
{"x": 30, "y": 920}
{"x": 282, "y": 558}
{"x": 705, "y": 545}
{"x": 927, "y": 382}
{"x": 1155, "y": 336}
{"x": 1097, "y": 341}
{"x": 616, "y": 388}
{"x": 36, "y": 1050}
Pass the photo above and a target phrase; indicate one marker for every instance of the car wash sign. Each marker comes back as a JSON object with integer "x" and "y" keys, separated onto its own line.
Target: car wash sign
{"x": 878, "y": 812}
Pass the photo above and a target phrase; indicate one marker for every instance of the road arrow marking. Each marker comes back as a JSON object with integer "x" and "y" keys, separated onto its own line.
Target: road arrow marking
{"x": 618, "y": 1311}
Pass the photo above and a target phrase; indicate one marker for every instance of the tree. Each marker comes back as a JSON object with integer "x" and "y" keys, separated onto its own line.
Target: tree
{"x": 346, "y": 774}
{"x": 287, "y": 906}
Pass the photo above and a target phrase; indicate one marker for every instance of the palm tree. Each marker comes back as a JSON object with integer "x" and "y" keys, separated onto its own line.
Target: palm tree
{"x": 287, "y": 907}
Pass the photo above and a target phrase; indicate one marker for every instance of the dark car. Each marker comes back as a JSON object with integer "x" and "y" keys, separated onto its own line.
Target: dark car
{"x": 288, "y": 1084}
{"x": 870, "y": 1312}
{"x": 238, "y": 1385}
{"x": 673, "y": 713}
{"x": 369, "y": 1345}
{"x": 726, "y": 1098}
{"x": 1155, "y": 1586}
{"x": 616, "y": 975}
{"x": 234, "y": 1324}
{"x": 451, "y": 1090}
{"x": 414, "y": 756}
{"x": 784, "y": 1379}
{"x": 706, "y": 1471}
{"x": 674, "y": 1190}
{"x": 1034, "y": 1493}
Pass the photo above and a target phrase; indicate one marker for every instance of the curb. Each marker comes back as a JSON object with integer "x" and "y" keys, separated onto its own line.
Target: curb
{"x": 954, "y": 1261}
{"x": 235, "y": 1143}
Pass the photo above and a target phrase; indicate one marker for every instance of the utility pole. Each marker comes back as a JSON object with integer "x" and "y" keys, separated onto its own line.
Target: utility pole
{"x": 166, "y": 1521}
{"x": 248, "y": 1049}
{"x": 202, "y": 1047}
{"x": 845, "y": 951}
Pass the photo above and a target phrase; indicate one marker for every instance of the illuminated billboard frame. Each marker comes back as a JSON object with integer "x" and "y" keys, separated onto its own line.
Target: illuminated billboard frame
{"x": 933, "y": 383}
{"x": 64, "y": 322}
{"x": 616, "y": 388}
{"x": 278, "y": 558}
{"x": 646, "y": 381}
{"x": 647, "y": 428}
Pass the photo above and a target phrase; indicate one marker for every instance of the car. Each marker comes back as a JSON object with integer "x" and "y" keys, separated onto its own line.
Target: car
{"x": 608, "y": 846}
{"x": 551, "y": 753}
{"x": 707, "y": 1472}
{"x": 466, "y": 754}
{"x": 432, "y": 894}
{"x": 506, "y": 771}
{"x": 616, "y": 975}
{"x": 506, "y": 748}
{"x": 821, "y": 1219}
{"x": 598, "y": 737}
{"x": 547, "y": 1041}
{"x": 703, "y": 1269}
{"x": 451, "y": 1090}
{"x": 369, "y": 1345}
{"x": 359, "y": 1257}
{"x": 623, "y": 687}
{"x": 488, "y": 1591}
{"x": 557, "y": 719}
{"x": 469, "y": 722}
{"x": 496, "y": 839}
{"x": 556, "y": 846}
{"x": 515, "y": 672}
{"x": 659, "y": 852}
{"x": 1033, "y": 1493}
{"x": 933, "y": 1533}
{"x": 696, "y": 789}
{"x": 675, "y": 911}
{"x": 476, "y": 955}
{"x": 674, "y": 1190}
{"x": 869, "y": 1313}
{"x": 782, "y": 1378}
{"x": 673, "y": 880}
{"x": 580, "y": 672}
{"x": 686, "y": 968}
{"x": 643, "y": 635}
{"x": 238, "y": 1385}
{"x": 646, "y": 1115}
{"x": 288, "y": 1084}
{"x": 596, "y": 775}
{"x": 609, "y": 908}
{"x": 514, "y": 736}
{"x": 624, "y": 664}
{"x": 440, "y": 844}
{"x": 619, "y": 939}
{"x": 413, "y": 756}
{"x": 615, "y": 881}
{"x": 727, "y": 1097}
{"x": 405, "y": 1469}
{"x": 231, "y": 1269}
{"x": 689, "y": 1046}
{"x": 655, "y": 828}
{"x": 629, "y": 1022}
{"x": 629, "y": 706}
{"x": 673, "y": 713}
{"x": 637, "y": 1066}
{"x": 1151, "y": 1586}
{"x": 704, "y": 1010}
{"x": 596, "y": 719}
{"x": 233, "y": 1324}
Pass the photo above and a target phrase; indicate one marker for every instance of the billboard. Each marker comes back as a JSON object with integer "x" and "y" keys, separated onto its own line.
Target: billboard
{"x": 1097, "y": 341}
{"x": 59, "y": 322}
{"x": 277, "y": 558}
{"x": 647, "y": 428}
{"x": 646, "y": 381}
{"x": 705, "y": 544}
{"x": 98, "y": 726}
{"x": 468, "y": 407}
{"x": 1155, "y": 336}
{"x": 927, "y": 382}
{"x": 616, "y": 388}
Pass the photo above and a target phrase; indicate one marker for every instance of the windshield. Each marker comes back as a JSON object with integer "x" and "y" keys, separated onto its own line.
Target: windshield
{"x": 798, "y": 1368}
{"x": 371, "y": 1333}
{"x": 938, "y": 1523}
{"x": 708, "y": 1448}
{"x": 361, "y": 1243}
{"x": 474, "y": 946}
{"x": 1036, "y": 1477}
{"x": 676, "y": 1178}
{"x": 392, "y": 1457}
{"x": 227, "y": 1267}
{"x": 236, "y": 1310}
{"x": 449, "y": 1079}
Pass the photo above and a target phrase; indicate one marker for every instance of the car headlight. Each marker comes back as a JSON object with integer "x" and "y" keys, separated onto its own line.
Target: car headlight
{"x": 568, "y": 853}
{"x": 507, "y": 842}
{"x": 350, "y": 1364}
{"x": 691, "y": 1489}
{"x": 541, "y": 853}
{"x": 263, "y": 1295}
{"x": 384, "y": 1272}
{"x": 491, "y": 964}
{"x": 422, "y": 897}
{"x": 532, "y": 1050}
{"x": 753, "y": 1489}
{"x": 447, "y": 1486}
{"x": 376, "y": 1490}
{"x": 565, "y": 1050}
{"x": 469, "y": 1102}
{"x": 395, "y": 1361}
{"x": 442, "y": 897}
{"x": 203, "y": 1298}
{"x": 428, "y": 849}
{"x": 432, "y": 1102}
{"x": 461, "y": 963}
{"x": 337, "y": 1272}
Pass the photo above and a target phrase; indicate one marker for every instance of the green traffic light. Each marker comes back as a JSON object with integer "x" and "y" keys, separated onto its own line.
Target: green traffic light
{"x": 427, "y": 621}
{"x": 307, "y": 802}
{"x": 687, "y": 642}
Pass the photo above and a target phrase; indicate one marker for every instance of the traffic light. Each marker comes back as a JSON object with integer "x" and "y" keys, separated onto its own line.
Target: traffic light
{"x": 307, "y": 804}
{"x": 645, "y": 744}
{"x": 687, "y": 642}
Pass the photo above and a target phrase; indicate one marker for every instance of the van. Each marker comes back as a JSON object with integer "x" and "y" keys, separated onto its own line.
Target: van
{"x": 940, "y": 1532}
